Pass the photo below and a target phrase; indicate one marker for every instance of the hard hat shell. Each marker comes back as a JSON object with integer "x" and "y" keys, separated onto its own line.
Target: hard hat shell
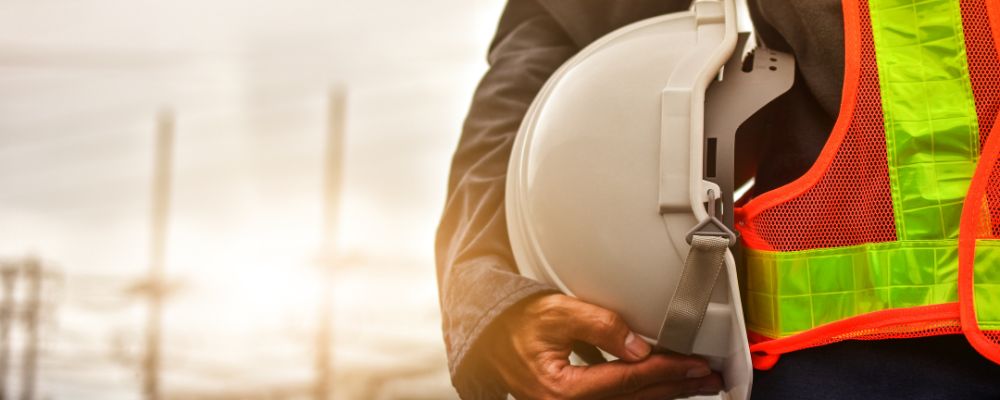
{"x": 592, "y": 199}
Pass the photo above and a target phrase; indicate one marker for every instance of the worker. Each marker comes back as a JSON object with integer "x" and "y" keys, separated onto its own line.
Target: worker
{"x": 508, "y": 334}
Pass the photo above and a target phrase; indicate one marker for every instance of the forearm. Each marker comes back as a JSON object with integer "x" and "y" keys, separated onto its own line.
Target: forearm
{"x": 477, "y": 276}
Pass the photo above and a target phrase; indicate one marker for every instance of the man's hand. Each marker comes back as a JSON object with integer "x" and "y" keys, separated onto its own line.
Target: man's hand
{"x": 532, "y": 345}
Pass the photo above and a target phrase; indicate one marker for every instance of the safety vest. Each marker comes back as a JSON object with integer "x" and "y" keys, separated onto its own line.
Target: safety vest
{"x": 894, "y": 232}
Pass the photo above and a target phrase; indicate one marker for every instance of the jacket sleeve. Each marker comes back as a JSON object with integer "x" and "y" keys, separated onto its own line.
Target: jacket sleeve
{"x": 477, "y": 278}
{"x": 586, "y": 21}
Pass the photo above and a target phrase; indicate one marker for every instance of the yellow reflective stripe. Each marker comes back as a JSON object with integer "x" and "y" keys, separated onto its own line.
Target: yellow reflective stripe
{"x": 986, "y": 284}
{"x": 932, "y": 133}
{"x": 790, "y": 292}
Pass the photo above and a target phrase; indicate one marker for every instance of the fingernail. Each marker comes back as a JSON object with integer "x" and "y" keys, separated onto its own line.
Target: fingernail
{"x": 636, "y": 347}
{"x": 698, "y": 372}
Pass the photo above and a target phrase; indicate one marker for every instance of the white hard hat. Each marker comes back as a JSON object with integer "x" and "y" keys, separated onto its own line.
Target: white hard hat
{"x": 607, "y": 179}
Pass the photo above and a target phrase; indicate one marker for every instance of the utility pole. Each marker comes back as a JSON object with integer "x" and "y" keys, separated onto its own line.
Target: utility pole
{"x": 331, "y": 206}
{"x": 156, "y": 288}
{"x": 33, "y": 304}
{"x": 8, "y": 278}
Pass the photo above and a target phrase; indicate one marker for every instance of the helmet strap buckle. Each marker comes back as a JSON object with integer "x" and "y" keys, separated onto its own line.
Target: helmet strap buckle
{"x": 712, "y": 226}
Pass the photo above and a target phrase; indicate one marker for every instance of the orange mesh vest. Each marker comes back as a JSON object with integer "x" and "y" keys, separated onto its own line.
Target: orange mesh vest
{"x": 891, "y": 233}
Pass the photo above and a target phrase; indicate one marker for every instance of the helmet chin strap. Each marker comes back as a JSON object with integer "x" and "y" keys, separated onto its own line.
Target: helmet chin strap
{"x": 689, "y": 304}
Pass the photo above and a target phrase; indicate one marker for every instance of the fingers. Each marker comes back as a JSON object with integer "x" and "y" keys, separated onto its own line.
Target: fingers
{"x": 607, "y": 330}
{"x": 619, "y": 378}
{"x": 532, "y": 357}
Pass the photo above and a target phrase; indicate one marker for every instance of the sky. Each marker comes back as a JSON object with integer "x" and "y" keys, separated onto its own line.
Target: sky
{"x": 81, "y": 83}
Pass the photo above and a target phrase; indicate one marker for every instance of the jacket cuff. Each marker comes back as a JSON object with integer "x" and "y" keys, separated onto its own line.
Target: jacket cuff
{"x": 473, "y": 375}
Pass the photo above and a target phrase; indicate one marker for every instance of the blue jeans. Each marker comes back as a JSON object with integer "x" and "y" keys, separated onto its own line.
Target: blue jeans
{"x": 943, "y": 367}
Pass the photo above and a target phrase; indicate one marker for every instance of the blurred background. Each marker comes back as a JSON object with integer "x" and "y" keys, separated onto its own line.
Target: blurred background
{"x": 221, "y": 199}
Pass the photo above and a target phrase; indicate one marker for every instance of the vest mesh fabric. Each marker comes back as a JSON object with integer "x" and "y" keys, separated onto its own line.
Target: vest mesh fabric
{"x": 851, "y": 204}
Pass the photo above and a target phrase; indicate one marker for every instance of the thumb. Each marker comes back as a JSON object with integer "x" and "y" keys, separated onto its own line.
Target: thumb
{"x": 607, "y": 330}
